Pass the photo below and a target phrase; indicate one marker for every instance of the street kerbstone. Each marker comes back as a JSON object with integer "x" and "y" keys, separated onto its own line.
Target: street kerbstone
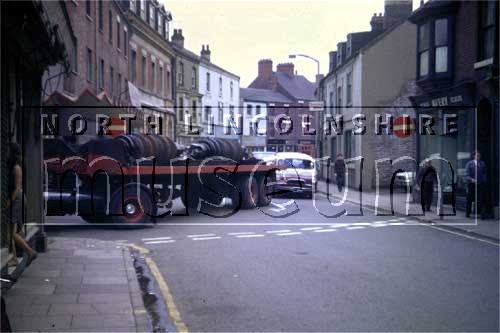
{"x": 100, "y": 321}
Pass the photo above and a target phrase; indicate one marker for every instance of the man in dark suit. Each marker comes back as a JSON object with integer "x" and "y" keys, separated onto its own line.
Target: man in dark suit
{"x": 427, "y": 176}
{"x": 476, "y": 177}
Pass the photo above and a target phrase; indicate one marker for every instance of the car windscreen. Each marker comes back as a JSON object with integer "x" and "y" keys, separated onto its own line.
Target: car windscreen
{"x": 298, "y": 163}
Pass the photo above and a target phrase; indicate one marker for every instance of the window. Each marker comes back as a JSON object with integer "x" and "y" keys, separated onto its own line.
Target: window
{"x": 488, "y": 24}
{"x": 125, "y": 43}
{"x": 249, "y": 109}
{"x": 152, "y": 77}
{"x": 194, "y": 111}
{"x": 339, "y": 98}
{"x": 167, "y": 86}
{"x": 231, "y": 90}
{"x": 101, "y": 74}
{"x": 74, "y": 57}
{"x": 158, "y": 22}
{"x": 88, "y": 7}
{"x": 193, "y": 77}
{"x": 423, "y": 50}
{"x": 231, "y": 111}
{"x": 208, "y": 112}
{"x": 118, "y": 32}
{"x": 151, "y": 15}
{"x": 181, "y": 74}
{"x": 331, "y": 102}
{"x": 110, "y": 27}
{"x": 348, "y": 144}
{"x": 143, "y": 72}
{"x": 349, "y": 88}
{"x": 257, "y": 110}
{"x": 101, "y": 19}
{"x": 160, "y": 83}
{"x": 133, "y": 65}
{"x": 132, "y": 5}
{"x": 143, "y": 9}
{"x": 441, "y": 44}
{"x": 112, "y": 80}
{"x": 221, "y": 113}
{"x": 220, "y": 86}
{"x": 89, "y": 65}
{"x": 119, "y": 85}
{"x": 208, "y": 81}
{"x": 180, "y": 107}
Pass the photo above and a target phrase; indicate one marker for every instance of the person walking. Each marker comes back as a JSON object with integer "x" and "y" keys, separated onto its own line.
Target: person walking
{"x": 476, "y": 178}
{"x": 15, "y": 205}
{"x": 339, "y": 168}
{"x": 426, "y": 179}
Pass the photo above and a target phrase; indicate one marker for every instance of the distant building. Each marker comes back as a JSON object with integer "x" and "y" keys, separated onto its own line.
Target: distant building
{"x": 254, "y": 106}
{"x": 368, "y": 73}
{"x": 221, "y": 94}
{"x": 457, "y": 69}
{"x": 187, "y": 95}
{"x": 285, "y": 120}
{"x": 151, "y": 60}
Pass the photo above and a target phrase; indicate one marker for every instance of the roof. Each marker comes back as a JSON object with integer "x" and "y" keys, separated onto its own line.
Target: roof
{"x": 297, "y": 86}
{"x": 263, "y": 95}
{"x": 211, "y": 64}
{"x": 185, "y": 52}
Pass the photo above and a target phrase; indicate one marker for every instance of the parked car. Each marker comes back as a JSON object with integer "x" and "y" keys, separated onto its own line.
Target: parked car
{"x": 262, "y": 155}
{"x": 300, "y": 175}
{"x": 404, "y": 179}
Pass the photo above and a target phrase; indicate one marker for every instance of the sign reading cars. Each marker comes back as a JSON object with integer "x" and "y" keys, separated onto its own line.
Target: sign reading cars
{"x": 404, "y": 126}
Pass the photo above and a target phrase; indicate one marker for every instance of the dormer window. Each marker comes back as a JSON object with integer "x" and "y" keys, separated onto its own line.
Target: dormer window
{"x": 349, "y": 47}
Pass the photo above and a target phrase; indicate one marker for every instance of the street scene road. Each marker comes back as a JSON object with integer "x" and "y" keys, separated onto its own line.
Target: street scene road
{"x": 310, "y": 273}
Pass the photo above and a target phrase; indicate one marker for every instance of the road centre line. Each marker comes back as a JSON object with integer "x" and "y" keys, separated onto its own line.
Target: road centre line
{"x": 156, "y": 238}
{"x": 277, "y": 231}
{"x": 205, "y": 238}
{"x": 241, "y": 233}
{"x": 355, "y": 228}
{"x": 290, "y": 233}
{"x": 201, "y": 235}
{"x": 250, "y": 236}
{"x": 161, "y": 241}
{"x": 311, "y": 228}
{"x": 325, "y": 230}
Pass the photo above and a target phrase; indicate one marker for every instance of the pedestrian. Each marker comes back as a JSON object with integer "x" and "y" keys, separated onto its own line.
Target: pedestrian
{"x": 15, "y": 206}
{"x": 426, "y": 178}
{"x": 339, "y": 168}
{"x": 476, "y": 178}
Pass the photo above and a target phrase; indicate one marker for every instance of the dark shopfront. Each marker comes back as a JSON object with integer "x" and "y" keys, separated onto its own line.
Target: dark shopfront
{"x": 475, "y": 130}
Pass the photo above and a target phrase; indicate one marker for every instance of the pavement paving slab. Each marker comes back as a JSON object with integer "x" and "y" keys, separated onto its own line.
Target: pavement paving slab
{"x": 79, "y": 284}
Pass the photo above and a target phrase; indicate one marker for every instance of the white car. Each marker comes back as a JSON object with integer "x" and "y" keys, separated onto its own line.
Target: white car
{"x": 300, "y": 175}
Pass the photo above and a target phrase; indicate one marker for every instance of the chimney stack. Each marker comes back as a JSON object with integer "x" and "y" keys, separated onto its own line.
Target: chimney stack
{"x": 396, "y": 11}
{"x": 377, "y": 22}
{"x": 265, "y": 69}
{"x": 287, "y": 68}
{"x": 205, "y": 53}
{"x": 333, "y": 60}
{"x": 178, "y": 39}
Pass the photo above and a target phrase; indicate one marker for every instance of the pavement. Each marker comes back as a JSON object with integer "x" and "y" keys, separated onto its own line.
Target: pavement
{"x": 403, "y": 206}
{"x": 79, "y": 284}
{"x": 315, "y": 268}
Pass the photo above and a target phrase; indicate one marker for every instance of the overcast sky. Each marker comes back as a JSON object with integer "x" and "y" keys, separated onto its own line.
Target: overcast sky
{"x": 240, "y": 33}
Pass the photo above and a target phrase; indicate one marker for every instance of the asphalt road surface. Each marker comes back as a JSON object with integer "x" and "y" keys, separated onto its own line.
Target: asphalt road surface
{"x": 275, "y": 270}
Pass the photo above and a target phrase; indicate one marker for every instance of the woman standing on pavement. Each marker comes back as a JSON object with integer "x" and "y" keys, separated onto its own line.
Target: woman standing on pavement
{"x": 15, "y": 205}
{"x": 339, "y": 169}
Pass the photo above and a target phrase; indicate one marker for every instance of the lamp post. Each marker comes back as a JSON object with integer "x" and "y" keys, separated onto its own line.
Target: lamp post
{"x": 317, "y": 140}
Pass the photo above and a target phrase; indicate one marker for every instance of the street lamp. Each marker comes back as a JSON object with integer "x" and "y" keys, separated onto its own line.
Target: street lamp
{"x": 318, "y": 122}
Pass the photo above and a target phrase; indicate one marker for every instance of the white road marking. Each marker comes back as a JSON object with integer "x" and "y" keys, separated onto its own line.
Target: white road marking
{"x": 290, "y": 233}
{"x": 277, "y": 231}
{"x": 250, "y": 236}
{"x": 241, "y": 233}
{"x": 205, "y": 238}
{"x": 156, "y": 238}
{"x": 343, "y": 225}
{"x": 354, "y": 228}
{"x": 161, "y": 241}
{"x": 201, "y": 235}
{"x": 311, "y": 228}
{"x": 397, "y": 223}
{"x": 361, "y": 223}
{"x": 379, "y": 225}
{"x": 325, "y": 230}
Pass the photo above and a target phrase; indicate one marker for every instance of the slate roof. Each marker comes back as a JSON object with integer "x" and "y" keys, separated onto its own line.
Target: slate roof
{"x": 263, "y": 95}
{"x": 297, "y": 86}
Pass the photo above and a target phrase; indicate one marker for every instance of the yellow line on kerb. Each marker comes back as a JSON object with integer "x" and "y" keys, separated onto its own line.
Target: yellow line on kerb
{"x": 164, "y": 289}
